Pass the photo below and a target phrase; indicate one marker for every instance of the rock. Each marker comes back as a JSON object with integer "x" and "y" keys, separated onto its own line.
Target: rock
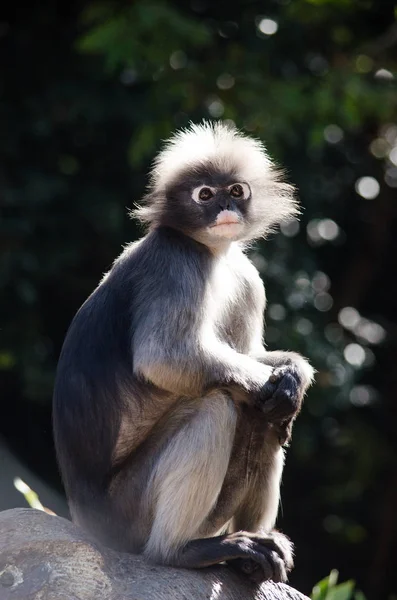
{"x": 44, "y": 557}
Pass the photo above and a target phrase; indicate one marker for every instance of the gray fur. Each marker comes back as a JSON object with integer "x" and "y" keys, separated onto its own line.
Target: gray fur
{"x": 169, "y": 414}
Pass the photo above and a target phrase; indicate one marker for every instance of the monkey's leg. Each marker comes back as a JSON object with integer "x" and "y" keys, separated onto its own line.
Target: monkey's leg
{"x": 259, "y": 509}
{"x": 186, "y": 486}
{"x": 188, "y": 476}
{"x": 249, "y": 502}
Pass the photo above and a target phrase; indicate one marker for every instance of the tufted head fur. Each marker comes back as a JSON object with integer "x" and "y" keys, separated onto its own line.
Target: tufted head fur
{"x": 215, "y": 154}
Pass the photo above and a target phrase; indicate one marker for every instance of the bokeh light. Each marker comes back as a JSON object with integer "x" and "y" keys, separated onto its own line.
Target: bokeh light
{"x": 367, "y": 187}
{"x": 354, "y": 354}
{"x": 268, "y": 26}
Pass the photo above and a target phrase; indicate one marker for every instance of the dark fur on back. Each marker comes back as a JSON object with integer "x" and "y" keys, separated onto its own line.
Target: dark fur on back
{"x": 97, "y": 359}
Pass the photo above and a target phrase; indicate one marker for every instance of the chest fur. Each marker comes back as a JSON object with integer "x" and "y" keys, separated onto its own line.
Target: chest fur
{"x": 236, "y": 301}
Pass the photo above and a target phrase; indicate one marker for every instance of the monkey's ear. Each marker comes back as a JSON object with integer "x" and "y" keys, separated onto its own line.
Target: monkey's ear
{"x": 151, "y": 210}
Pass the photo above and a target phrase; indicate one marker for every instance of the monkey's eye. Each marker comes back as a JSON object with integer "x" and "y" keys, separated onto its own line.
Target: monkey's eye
{"x": 205, "y": 194}
{"x": 240, "y": 190}
{"x": 202, "y": 193}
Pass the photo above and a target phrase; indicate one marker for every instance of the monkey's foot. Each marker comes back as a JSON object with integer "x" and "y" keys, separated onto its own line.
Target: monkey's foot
{"x": 259, "y": 555}
{"x": 269, "y": 556}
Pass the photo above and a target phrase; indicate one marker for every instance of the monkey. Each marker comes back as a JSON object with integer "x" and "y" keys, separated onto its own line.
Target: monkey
{"x": 170, "y": 417}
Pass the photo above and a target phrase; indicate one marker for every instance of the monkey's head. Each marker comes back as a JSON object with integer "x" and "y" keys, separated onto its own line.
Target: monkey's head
{"x": 216, "y": 185}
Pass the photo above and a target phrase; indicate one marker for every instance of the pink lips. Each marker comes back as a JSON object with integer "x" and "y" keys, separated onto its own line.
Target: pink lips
{"x": 226, "y": 217}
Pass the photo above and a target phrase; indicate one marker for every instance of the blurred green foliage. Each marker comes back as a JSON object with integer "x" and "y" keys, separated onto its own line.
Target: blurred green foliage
{"x": 88, "y": 93}
{"x": 329, "y": 589}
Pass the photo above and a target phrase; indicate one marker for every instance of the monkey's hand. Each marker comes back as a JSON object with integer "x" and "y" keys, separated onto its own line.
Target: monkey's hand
{"x": 269, "y": 556}
{"x": 281, "y": 396}
{"x": 281, "y": 399}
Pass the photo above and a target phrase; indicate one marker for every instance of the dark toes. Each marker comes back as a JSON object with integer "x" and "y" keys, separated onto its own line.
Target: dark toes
{"x": 248, "y": 566}
{"x": 284, "y": 547}
{"x": 279, "y": 543}
{"x": 256, "y": 569}
{"x": 277, "y": 564}
{"x": 251, "y": 569}
{"x": 272, "y": 564}
{"x": 268, "y": 557}
{"x": 266, "y": 564}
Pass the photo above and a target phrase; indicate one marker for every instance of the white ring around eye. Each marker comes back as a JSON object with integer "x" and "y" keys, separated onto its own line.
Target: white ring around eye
{"x": 246, "y": 190}
{"x": 197, "y": 190}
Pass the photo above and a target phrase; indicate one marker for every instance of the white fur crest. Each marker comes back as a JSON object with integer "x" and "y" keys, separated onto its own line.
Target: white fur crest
{"x": 221, "y": 144}
{"x": 223, "y": 147}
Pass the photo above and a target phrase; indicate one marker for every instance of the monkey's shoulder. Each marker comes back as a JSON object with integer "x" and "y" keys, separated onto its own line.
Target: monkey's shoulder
{"x": 163, "y": 252}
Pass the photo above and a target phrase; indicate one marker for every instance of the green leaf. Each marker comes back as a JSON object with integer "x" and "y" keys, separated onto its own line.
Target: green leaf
{"x": 321, "y": 588}
{"x": 344, "y": 591}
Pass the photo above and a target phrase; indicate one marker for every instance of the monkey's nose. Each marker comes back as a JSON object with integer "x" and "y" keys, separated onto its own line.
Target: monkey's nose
{"x": 225, "y": 202}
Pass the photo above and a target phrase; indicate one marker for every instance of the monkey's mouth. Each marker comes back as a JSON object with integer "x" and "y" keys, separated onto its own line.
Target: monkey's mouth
{"x": 227, "y": 225}
{"x": 226, "y": 217}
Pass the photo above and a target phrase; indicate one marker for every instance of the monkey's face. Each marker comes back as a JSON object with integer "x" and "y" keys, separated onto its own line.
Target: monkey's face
{"x": 217, "y": 185}
{"x": 211, "y": 206}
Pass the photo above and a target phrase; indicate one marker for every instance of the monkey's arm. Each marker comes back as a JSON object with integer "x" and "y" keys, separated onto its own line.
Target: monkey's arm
{"x": 171, "y": 350}
{"x": 174, "y": 344}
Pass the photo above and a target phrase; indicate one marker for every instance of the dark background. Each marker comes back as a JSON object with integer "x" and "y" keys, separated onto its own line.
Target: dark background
{"x": 87, "y": 93}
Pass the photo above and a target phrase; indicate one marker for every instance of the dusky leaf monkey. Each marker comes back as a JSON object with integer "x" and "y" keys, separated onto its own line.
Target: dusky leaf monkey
{"x": 169, "y": 413}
